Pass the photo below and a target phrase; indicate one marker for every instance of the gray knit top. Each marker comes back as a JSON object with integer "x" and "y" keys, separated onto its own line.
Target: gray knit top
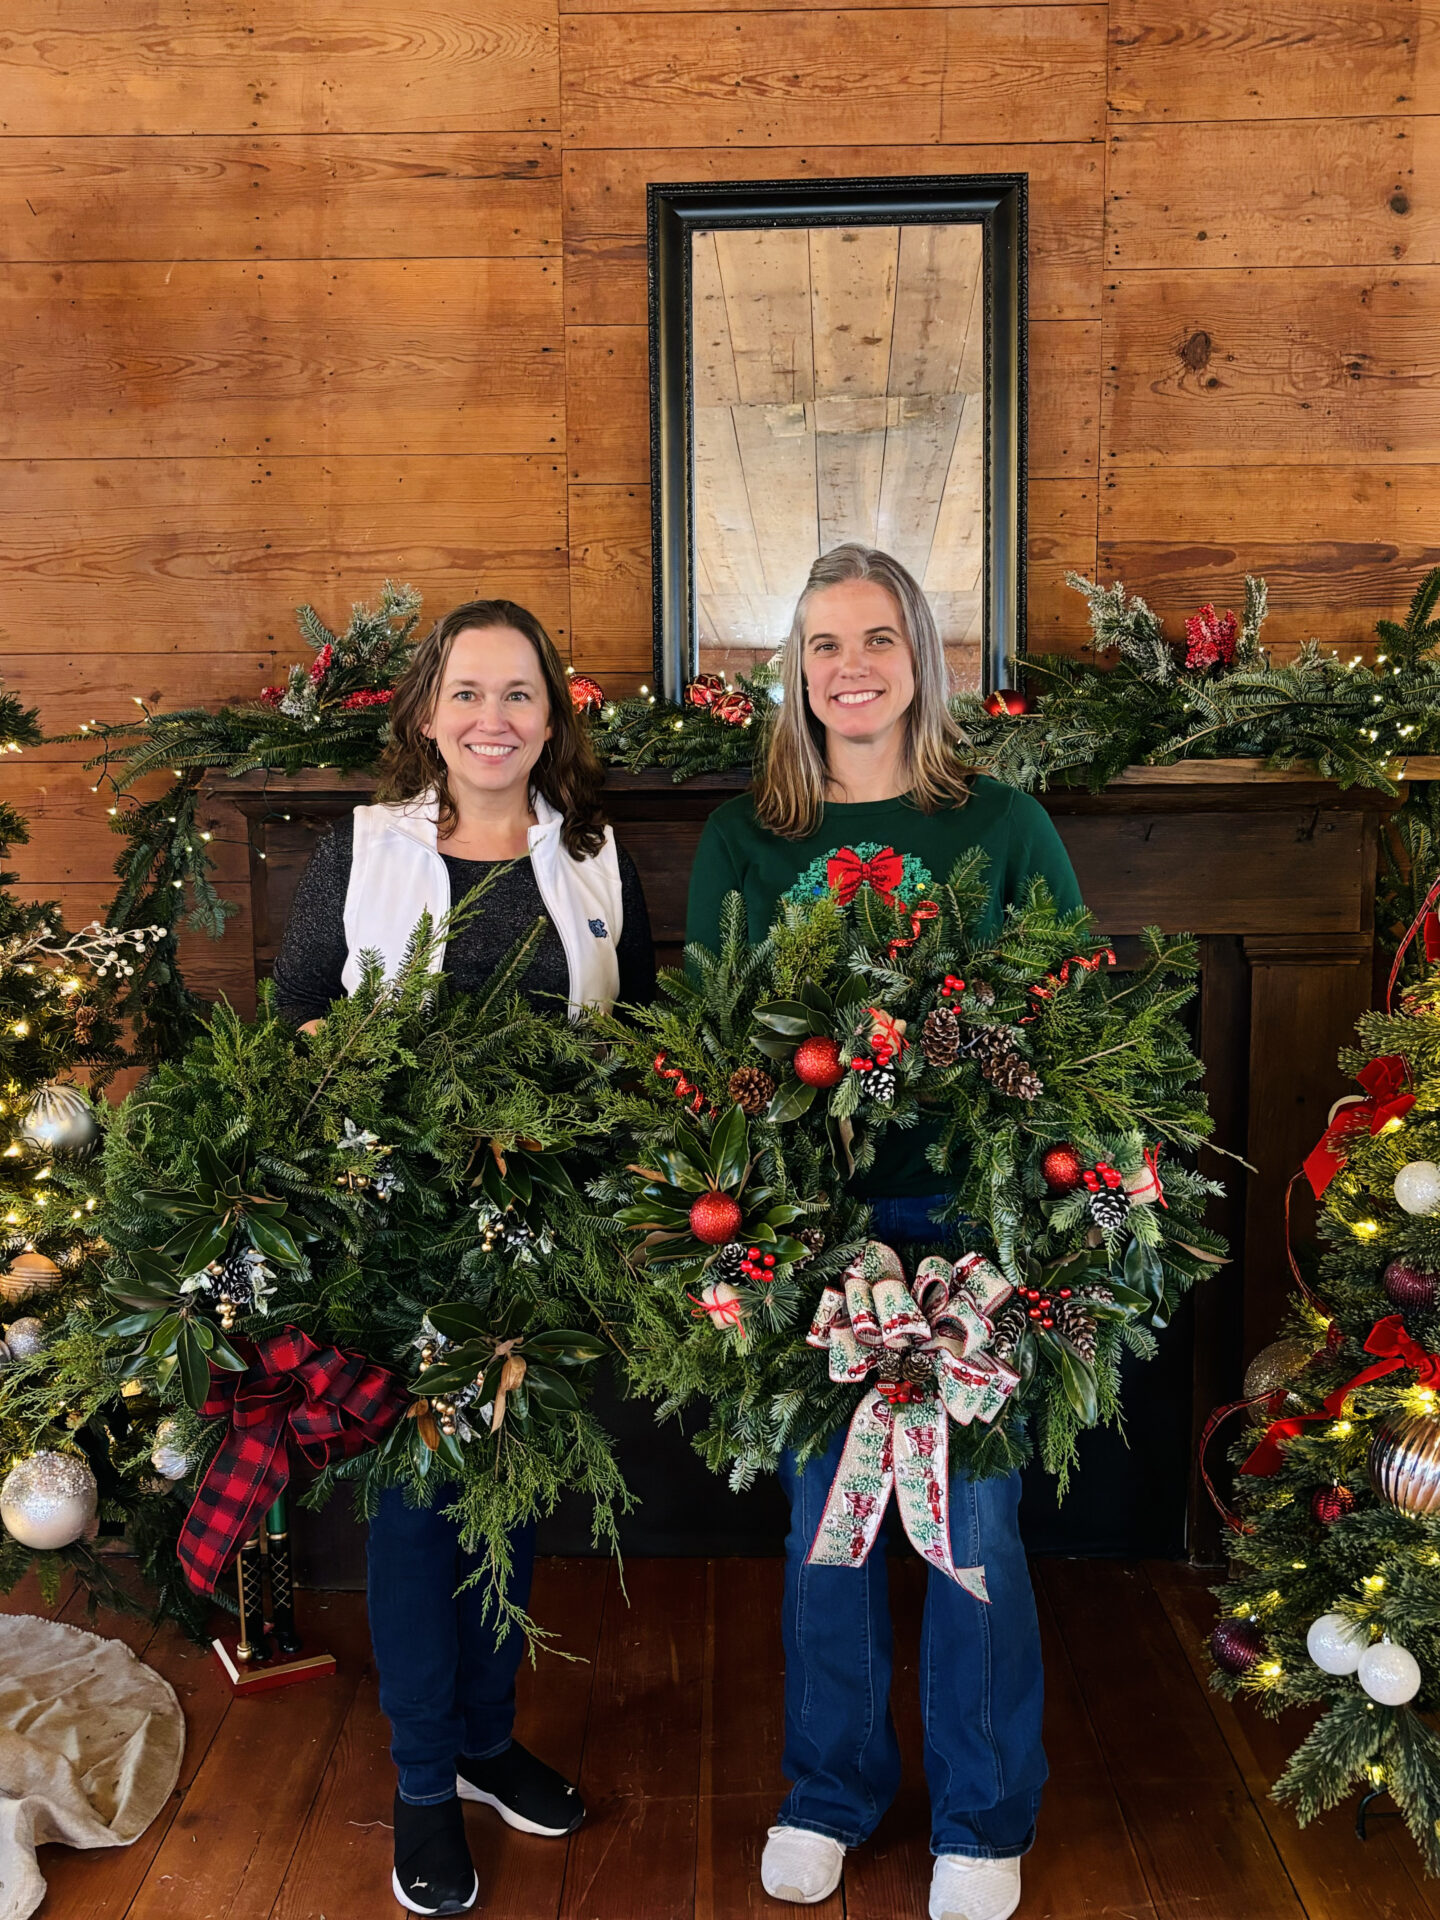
{"x": 312, "y": 954}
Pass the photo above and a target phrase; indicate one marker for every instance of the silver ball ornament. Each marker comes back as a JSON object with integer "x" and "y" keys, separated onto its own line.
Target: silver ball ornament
{"x": 25, "y": 1338}
{"x": 1417, "y": 1187}
{"x": 1389, "y": 1674}
{"x": 1404, "y": 1463}
{"x": 49, "y": 1501}
{"x": 1336, "y": 1644}
{"x": 60, "y": 1120}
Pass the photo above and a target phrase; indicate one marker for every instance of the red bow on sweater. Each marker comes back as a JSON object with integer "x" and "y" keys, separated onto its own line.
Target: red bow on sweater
{"x": 1386, "y": 1100}
{"x": 1389, "y": 1339}
{"x": 335, "y": 1404}
{"x": 846, "y": 873}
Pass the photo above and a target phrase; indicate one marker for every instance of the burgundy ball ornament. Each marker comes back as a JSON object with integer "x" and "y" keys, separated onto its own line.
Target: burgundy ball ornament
{"x": 1329, "y": 1504}
{"x": 1007, "y": 700}
{"x": 1410, "y": 1286}
{"x": 1062, "y": 1169}
{"x": 1236, "y": 1645}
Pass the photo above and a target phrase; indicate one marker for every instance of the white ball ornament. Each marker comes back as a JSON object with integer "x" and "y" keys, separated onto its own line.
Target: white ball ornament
{"x": 1336, "y": 1644}
{"x": 1417, "y": 1187}
{"x": 166, "y": 1458}
{"x": 49, "y": 1501}
{"x": 1389, "y": 1674}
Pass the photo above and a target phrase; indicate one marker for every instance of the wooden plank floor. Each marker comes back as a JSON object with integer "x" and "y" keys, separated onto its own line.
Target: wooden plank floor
{"x": 669, "y": 1716}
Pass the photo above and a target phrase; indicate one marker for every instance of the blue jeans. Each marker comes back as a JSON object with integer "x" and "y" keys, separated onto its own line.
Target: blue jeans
{"x": 447, "y": 1686}
{"x": 981, "y": 1686}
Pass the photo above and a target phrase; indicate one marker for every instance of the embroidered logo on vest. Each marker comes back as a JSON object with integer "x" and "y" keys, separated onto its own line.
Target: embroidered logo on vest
{"x": 599, "y": 929}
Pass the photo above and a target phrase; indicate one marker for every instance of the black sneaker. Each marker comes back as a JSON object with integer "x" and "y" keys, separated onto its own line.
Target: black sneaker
{"x": 525, "y": 1793}
{"x": 433, "y": 1869}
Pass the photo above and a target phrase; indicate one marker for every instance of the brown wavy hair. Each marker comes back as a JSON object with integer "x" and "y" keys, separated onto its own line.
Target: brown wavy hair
{"x": 790, "y": 782}
{"x": 567, "y": 773}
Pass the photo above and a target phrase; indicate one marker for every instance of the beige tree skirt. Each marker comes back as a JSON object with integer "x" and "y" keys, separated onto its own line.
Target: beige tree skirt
{"x": 90, "y": 1747}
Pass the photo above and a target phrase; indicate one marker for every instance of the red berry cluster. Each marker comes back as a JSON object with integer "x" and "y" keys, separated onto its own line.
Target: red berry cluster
{"x": 951, "y": 985}
{"x": 1104, "y": 1175}
{"x": 900, "y": 1393}
{"x": 1041, "y": 1305}
{"x": 757, "y": 1265}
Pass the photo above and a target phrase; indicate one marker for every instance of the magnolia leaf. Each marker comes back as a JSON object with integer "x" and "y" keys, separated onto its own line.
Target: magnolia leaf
{"x": 792, "y": 1098}
{"x": 458, "y": 1322}
{"x": 194, "y": 1368}
{"x": 729, "y": 1149}
{"x": 791, "y": 1017}
{"x": 194, "y": 1247}
{"x": 126, "y": 1326}
{"x": 273, "y": 1240}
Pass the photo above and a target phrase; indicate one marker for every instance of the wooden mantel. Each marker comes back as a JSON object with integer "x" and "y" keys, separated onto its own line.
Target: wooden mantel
{"x": 1274, "y": 872}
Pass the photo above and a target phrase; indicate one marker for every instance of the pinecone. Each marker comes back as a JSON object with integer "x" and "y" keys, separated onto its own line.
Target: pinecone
{"x": 728, "y": 1261}
{"x": 1109, "y": 1208}
{"x": 878, "y": 1084}
{"x": 918, "y": 1368}
{"x": 940, "y": 1036}
{"x": 1015, "y": 1076}
{"x": 752, "y": 1090}
{"x": 983, "y": 992}
{"x": 813, "y": 1239}
{"x": 1011, "y": 1323}
{"x": 1073, "y": 1319}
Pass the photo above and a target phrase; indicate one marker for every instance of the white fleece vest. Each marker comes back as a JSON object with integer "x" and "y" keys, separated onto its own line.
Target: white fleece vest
{"x": 396, "y": 874}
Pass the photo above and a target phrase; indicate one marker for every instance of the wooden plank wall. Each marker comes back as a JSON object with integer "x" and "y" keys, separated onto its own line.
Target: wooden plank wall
{"x": 294, "y": 296}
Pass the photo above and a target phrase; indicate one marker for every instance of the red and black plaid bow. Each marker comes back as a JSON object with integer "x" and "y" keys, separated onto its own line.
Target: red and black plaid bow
{"x": 846, "y": 872}
{"x": 334, "y": 1403}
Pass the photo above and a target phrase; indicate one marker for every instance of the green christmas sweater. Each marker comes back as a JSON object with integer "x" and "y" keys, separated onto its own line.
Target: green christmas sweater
{"x": 738, "y": 855}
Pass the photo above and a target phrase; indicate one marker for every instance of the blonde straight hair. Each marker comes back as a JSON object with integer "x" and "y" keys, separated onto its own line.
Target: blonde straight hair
{"x": 790, "y": 785}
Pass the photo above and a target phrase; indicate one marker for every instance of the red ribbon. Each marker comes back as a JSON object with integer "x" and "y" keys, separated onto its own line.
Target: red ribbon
{"x": 922, "y": 911}
{"x": 1080, "y": 960}
{"x": 1389, "y": 1339}
{"x": 334, "y": 1404}
{"x": 1383, "y": 1080}
{"x": 846, "y": 873}
{"x": 683, "y": 1087}
{"x": 1428, "y": 920}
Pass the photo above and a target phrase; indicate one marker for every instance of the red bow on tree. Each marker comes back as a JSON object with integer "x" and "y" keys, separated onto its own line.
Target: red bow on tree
{"x": 1386, "y": 1100}
{"x": 846, "y": 873}
{"x": 1389, "y": 1339}
{"x": 335, "y": 1404}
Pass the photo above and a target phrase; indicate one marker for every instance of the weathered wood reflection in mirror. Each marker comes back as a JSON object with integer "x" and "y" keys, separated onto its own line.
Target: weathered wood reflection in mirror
{"x": 834, "y": 361}
{"x": 838, "y": 391}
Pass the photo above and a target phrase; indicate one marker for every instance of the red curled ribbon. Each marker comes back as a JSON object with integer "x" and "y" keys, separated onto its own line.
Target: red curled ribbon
{"x": 922, "y": 911}
{"x": 1430, "y": 922}
{"x": 846, "y": 873}
{"x": 683, "y": 1088}
{"x": 1080, "y": 960}
{"x": 334, "y": 1404}
{"x": 1389, "y": 1339}
{"x": 1386, "y": 1100}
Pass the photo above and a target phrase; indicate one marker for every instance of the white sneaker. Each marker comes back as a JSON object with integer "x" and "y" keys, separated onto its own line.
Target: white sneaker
{"x": 800, "y": 1866}
{"x": 966, "y": 1889}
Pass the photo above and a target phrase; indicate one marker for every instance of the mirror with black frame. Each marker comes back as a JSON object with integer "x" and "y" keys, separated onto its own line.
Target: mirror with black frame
{"x": 830, "y": 361}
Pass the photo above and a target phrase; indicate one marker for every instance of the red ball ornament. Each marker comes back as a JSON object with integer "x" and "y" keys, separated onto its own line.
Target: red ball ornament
{"x": 1410, "y": 1286}
{"x": 817, "y": 1062}
{"x": 1008, "y": 700}
{"x": 1235, "y": 1646}
{"x": 1062, "y": 1169}
{"x": 1329, "y": 1504}
{"x": 586, "y": 695}
{"x": 714, "y": 1218}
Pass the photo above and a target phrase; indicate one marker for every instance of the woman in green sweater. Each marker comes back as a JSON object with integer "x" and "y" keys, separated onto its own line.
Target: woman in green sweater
{"x": 864, "y": 756}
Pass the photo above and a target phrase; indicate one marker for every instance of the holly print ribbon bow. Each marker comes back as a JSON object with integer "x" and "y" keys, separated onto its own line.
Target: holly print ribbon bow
{"x": 334, "y": 1404}
{"x": 927, "y": 1346}
{"x": 846, "y": 873}
{"x": 1386, "y": 1099}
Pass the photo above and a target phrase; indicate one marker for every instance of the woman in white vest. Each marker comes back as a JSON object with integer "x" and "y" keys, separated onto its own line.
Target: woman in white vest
{"x": 488, "y": 764}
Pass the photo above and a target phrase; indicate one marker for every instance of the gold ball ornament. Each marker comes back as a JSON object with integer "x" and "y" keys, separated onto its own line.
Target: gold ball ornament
{"x": 1272, "y": 1369}
{"x": 60, "y": 1120}
{"x": 28, "y": 1273}
{"x": 49, "y": 1501}
{"x": 1404, "y": 1463}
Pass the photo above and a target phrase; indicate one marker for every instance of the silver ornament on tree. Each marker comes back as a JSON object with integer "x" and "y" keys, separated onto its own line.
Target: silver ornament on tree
{"x": 1335, "y": 1644}
{"x": 25, "y": 1338}
{"x": 1389, "y": 1673}
{"x": 60, "y": 1120}
{"x": 1417, "y": 1187}
{"x": 49, "y": 1501}
{"x": 168, "y": 1459}
{"x": 1404, "y": 1463}
{"x": 28, "y": 1273}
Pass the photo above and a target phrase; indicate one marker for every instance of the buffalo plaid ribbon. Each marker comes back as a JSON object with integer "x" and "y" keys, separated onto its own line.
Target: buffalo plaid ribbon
{"x": 335, "y": 1404}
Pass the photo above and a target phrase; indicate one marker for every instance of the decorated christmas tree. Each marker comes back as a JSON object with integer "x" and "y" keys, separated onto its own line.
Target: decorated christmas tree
{"x": 1335, "y": 1599}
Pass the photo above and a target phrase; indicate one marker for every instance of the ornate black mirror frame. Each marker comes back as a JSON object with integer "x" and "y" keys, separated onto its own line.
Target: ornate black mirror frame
{"x": 997, "y": 203}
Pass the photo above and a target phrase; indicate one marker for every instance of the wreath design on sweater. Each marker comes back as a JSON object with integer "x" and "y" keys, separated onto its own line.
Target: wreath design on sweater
{"x": 900, "y": 879}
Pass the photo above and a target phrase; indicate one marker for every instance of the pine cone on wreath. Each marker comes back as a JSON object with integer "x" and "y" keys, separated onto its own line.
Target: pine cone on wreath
{"x": 940, "y": 1037}
{"x": 1013, "y": 1074}
{"x": 1077, "y": 1324}
{"x": 813, "y": 1240}
{"x": 878, "y": 1084}
{"x": 1109, "y": 1208}
{"x": 1009, "y": 1326}
{"x": 728, "y": 1261}
{"x": 983, "y": 992}
{"x": 752, "y": 1090}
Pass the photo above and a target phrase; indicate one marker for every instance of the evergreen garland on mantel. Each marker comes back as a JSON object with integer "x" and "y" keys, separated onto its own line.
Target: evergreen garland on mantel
{"x": 1134, "y": 698}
